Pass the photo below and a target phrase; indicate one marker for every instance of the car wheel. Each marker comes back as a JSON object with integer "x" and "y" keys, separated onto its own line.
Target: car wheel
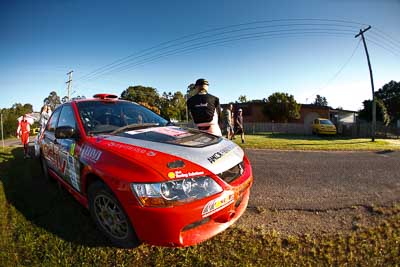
{"x": 109, "y": 216}
{"x": 45, "y": 168}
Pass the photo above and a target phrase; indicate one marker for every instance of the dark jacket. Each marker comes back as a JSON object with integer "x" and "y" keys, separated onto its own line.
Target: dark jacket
{"x": 202, "y": 107}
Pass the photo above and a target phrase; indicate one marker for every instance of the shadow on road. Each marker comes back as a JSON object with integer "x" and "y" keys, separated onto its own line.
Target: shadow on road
{"x": 44, "y": 203}
{"x": 386, "y": 151}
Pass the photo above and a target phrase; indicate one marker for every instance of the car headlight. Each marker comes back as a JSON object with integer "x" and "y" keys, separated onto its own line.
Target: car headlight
{"x": 175, "y": 192}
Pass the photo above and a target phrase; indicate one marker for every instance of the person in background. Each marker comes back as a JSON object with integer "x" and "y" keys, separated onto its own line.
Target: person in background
{"x": 228, "y": 121}
{"x": 45, "y": 114}
{"x": 205, "y": 109}
{"x": 239, "y": 124}
{"x": 23, "y": 131}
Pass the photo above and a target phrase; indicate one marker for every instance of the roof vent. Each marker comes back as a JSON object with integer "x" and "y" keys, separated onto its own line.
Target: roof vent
{"x": 105, "y": 96}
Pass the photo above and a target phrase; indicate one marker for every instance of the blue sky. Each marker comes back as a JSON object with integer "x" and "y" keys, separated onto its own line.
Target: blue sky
{"x": 40, "y": 41}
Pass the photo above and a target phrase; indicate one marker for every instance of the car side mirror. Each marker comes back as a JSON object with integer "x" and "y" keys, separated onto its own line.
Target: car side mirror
{"x": 65, "y": 132}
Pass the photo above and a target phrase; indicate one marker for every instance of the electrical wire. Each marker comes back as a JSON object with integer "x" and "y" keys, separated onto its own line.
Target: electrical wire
{"x": 214, "y": 30}
{"x": 287, "y": 35}
{"x": 377, "y": 43}
{"x": 334, "y": 77}
{"x": 220, "y": 41}
{"x": 224, "y": 40}
{"x": 122, "y": 62}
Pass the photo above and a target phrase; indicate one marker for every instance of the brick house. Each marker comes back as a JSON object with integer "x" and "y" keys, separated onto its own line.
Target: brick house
{"x": 253, "y": 112}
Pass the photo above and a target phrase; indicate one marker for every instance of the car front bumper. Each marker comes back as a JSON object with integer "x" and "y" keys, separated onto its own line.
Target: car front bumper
{"x": 186, "y": 225}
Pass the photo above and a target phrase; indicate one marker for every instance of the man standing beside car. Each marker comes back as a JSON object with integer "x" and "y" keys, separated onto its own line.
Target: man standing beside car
{"x": 205, "y": 109}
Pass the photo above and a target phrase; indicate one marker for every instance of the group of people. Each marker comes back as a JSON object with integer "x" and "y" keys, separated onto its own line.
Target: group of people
{"x": 24, "y": 128}
{"x": 233, "y": 123}
{"x": 206, "y": 113}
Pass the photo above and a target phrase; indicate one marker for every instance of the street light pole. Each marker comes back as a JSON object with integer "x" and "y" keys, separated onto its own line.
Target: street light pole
{"x": 372, "y": 82}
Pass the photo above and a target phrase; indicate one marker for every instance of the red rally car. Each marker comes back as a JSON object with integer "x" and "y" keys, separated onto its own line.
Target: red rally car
{"x": 143, "y": 179}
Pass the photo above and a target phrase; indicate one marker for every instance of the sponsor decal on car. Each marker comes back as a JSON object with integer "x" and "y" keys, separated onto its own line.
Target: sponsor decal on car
{"x": 132, "y": 149}
{"x": 90, "y": 153}
{"x": 72, "y": 149}
{"x": 170, "y": 131}
{"x": 180, "y": 174}
{"x": 218, "y": 203}
{"x": 73, "y": 172}
{"x": 220, "y": 154}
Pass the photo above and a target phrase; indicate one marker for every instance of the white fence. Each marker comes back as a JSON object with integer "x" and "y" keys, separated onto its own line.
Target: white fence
{"x": 258, "y": 127}
{"x": 360, "y": 129}
{"x": 289, "y": 128}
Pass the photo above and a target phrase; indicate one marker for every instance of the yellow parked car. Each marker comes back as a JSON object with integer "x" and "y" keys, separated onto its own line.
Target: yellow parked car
{"x": 323, "y": 126}
{"x": 35, "y": 131}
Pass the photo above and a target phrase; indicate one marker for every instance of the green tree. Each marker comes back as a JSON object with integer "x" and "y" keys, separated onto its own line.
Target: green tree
{"x": 173, "y": 106}
{"x": 143, "y": 94}
{"x": 243, "y": 99}
{"x": 390, "y": 95}
{"x": 10, "y": 116}
{"x": 381, "y": 112}
{"x": 179, "y": 102}
{"x": 53, "y": 100}
{"x": 281, "y": 107}
{"x": 191, "y": 91}
{"x": 320, "y": 101}
{"x": 146, "y": 96}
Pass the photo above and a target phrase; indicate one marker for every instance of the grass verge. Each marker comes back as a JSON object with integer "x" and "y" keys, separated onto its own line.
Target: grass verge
{"x": 306, "y": 142}
{"x": 41, "y": 225}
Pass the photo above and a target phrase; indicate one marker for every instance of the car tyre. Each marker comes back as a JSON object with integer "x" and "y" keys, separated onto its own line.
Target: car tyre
{"x": 110, "y": 217}
{"x": 45, "y": 168}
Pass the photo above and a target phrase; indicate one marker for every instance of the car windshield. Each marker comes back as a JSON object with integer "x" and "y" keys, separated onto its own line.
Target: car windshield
{"x": 326, "y": 122}
{"x": 107, "y": 116}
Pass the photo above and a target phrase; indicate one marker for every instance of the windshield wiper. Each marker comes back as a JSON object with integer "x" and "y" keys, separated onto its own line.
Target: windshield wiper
{"x": 134, "y": 126}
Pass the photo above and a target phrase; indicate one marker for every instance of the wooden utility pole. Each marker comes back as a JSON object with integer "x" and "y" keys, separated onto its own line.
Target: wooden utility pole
{"x": 372, "y": 82}
{"x": 2, "y": 135}
{"x": 69, "y": 82}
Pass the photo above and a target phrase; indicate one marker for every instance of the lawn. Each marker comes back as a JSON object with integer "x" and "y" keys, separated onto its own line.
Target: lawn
{"x": 41, "y": 225}
{"x": 308, "y": 142}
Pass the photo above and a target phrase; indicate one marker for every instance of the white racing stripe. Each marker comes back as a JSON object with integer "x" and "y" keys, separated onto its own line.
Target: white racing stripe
{"x": 216, "y": 158}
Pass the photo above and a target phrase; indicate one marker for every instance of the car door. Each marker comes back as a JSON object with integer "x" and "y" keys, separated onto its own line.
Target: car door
{"x": 68, "y": 166}
{"x": 48, "y": 147}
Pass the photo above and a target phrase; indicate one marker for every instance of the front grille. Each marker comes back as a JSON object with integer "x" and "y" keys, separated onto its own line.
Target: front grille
{"x": 233, "y": 173}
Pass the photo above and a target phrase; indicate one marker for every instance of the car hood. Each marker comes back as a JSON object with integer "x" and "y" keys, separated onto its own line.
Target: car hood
{"x": 214, "y": 153}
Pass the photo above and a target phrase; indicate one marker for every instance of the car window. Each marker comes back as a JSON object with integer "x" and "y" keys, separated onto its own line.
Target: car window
{"x": 316, "y": 121}
{"x": 326, "y": 122}
{"x": 101, "y": 116}
{"x": 67, "y": 117}
{"x": 51, "y": 126}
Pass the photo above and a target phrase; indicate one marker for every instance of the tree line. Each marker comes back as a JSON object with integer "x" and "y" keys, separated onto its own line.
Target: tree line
{"x": 279, "y": 106}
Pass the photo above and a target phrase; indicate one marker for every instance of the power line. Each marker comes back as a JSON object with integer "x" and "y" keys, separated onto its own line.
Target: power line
{"x": 388, "y": 36}
{"x": 214, "y": 30}
{"x": 222, "y": 41}
{"x": 383, "y": 46}
{"x": 140, "y": 55}
{"x": 387, "y": 40}
{"x": 338, "y": 72}
{"x": 229, "y": 39}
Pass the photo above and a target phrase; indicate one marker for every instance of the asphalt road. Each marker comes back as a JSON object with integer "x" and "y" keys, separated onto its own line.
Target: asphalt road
{"x": 298, "y": 180}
